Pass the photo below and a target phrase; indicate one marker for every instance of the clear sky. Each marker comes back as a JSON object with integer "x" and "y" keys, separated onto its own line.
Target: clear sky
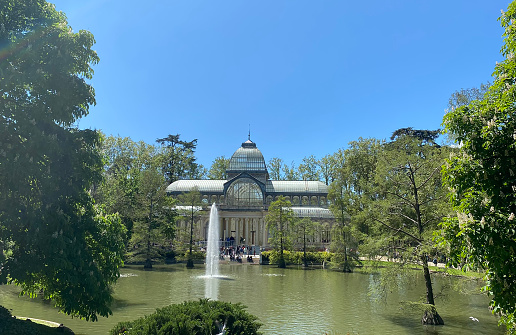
{"x": 307, "y": 76}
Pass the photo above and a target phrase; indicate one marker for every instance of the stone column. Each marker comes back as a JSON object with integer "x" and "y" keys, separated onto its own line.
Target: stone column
{"x": 252, "y": 232}
{"x": 237, "y": 237}
{"x": 246, "y": 229}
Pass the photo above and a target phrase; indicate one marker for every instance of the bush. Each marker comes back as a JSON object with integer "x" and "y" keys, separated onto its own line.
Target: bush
{"x": 296, "y": 257}
{"x": 204, "y": 317}
{"x": 196, "y": 255}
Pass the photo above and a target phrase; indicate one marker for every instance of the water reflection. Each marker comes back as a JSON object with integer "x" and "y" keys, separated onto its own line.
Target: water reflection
{"x": 211, "y": 288}
{"x": 286, "y": 301}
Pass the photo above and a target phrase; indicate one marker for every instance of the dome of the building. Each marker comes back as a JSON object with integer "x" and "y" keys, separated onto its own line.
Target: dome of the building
{"x": 247, "y": 158}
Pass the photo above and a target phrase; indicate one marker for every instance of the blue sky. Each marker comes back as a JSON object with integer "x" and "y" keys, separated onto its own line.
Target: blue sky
{"x": 307, "y": 76}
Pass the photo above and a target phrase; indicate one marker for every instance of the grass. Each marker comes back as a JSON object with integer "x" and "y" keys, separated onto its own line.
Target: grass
{"x": 372, "y": 265}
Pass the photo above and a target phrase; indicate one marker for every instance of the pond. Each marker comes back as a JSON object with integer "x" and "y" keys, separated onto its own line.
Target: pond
{"x": 287, "y": 301}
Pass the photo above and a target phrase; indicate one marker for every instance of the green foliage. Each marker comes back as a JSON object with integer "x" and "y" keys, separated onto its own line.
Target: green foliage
{"x": 124, "y": 160}
{"x": 464, "y": 97}
{"x": 53, "y": 237}
{"x": 154, "y": 222}
{"x": 190, "y": 211}
{"x": 203, "y": 317}
{"x": 351, "y": 194}
{"x": 179, "y": 159}
{"x": 134, "y": 187}
{"x": 410, "y": 198}
{"x": 327, "y": 166}
{"x": 296, "y": 257}
{"x": 304, "y": 229}
{"x": 290, "y": 172}
{"x": 280, "y": 223}
{"x": 410, "y": 201}
{"x": 197, "y": 255}
{"x": 274, "y": 168}
{"x": 423, "y": 135}
{"x": 482, "y": 180}
{"x": 218, "y": 168}
{"x": 309, "y": 168}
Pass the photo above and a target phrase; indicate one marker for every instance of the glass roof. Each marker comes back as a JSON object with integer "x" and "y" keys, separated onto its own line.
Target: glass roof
{"x": 204, "y": 186}
{"x": 247, "y": 158}
{"x": 312, "y": 212}
{"x": 296, "y": 186}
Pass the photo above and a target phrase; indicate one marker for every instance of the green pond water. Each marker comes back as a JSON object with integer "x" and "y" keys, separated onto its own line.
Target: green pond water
{"x": 287, "y": 301}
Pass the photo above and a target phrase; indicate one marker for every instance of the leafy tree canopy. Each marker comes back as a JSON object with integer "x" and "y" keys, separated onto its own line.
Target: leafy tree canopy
{"x": 52, "y": 236}
{"x": 464, "y": 97}
{"x": 482, "y": 179}
{"x": 280, "y": 221}
{"x": 180, "y": 161}
{"x": 218, "y": 168}
{"x": 424, "y": 135}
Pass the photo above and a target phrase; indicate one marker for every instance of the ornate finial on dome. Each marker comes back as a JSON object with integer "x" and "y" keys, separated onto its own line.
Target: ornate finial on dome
{"x": 249, "y": 143}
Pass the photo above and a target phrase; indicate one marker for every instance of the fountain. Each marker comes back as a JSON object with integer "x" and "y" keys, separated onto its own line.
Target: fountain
{"x": 212, "y": 247}
{"x": 211, "y": 289}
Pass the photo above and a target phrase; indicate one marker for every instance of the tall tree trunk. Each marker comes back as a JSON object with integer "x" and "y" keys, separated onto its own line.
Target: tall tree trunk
{"x": 347, "y": 267}
{"x": 189, "y": 262}
{"x": 430, "y": 317}
{"x": 305, "y": 261}
{"x": 148, "y": 261}
{"x": 282, "y": 263}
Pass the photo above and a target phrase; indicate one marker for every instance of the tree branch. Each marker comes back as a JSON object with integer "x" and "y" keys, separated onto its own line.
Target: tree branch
{"x": 429, "y": 177}
{"x": 399, "y": 230}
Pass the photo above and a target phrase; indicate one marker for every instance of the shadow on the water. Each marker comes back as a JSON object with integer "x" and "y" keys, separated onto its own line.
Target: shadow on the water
{"x": 452, "y": 325}
{"x": 156, "y": 268}
{"x": 218, "y": 278}
{"x": 122, "y": 303}
{"x": 411, "y": 322}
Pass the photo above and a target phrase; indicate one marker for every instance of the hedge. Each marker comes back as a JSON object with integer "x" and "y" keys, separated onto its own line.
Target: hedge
{"x": 296, "y": 257}
{"x": 203, "y": 317}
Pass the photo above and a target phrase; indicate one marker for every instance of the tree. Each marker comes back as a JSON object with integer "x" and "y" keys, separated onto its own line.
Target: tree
{"x": 327, "y": 166}
{"x": 180, "y": 162}
{"x": 305, "y": 227}
{"x": 124, "y": 160}
{"x": 424, "y": 135}
{"x": 279, "y": 220}
{"x": 192, "y": 206}
{"x": 290, "y": 173}
{"x": 218, "y": 168}
{"x": 275, "y": 168}
{"x": 482, "y": 180}
{"x": 464, "y": 97}
{"x": 309, "y": 168}
{"x": 154, "y": 222}
{"x": 352, "y": 194}
{"x": 54, "y": 239}
{"x": 410, "y": 203}
{"x": 134, "y": 188}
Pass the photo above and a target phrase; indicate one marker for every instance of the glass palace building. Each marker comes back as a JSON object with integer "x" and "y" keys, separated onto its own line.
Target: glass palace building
{"x": 243, "y": 199}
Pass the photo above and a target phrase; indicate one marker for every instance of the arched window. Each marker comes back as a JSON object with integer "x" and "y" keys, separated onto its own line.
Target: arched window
{"x": 243, "y": 193}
